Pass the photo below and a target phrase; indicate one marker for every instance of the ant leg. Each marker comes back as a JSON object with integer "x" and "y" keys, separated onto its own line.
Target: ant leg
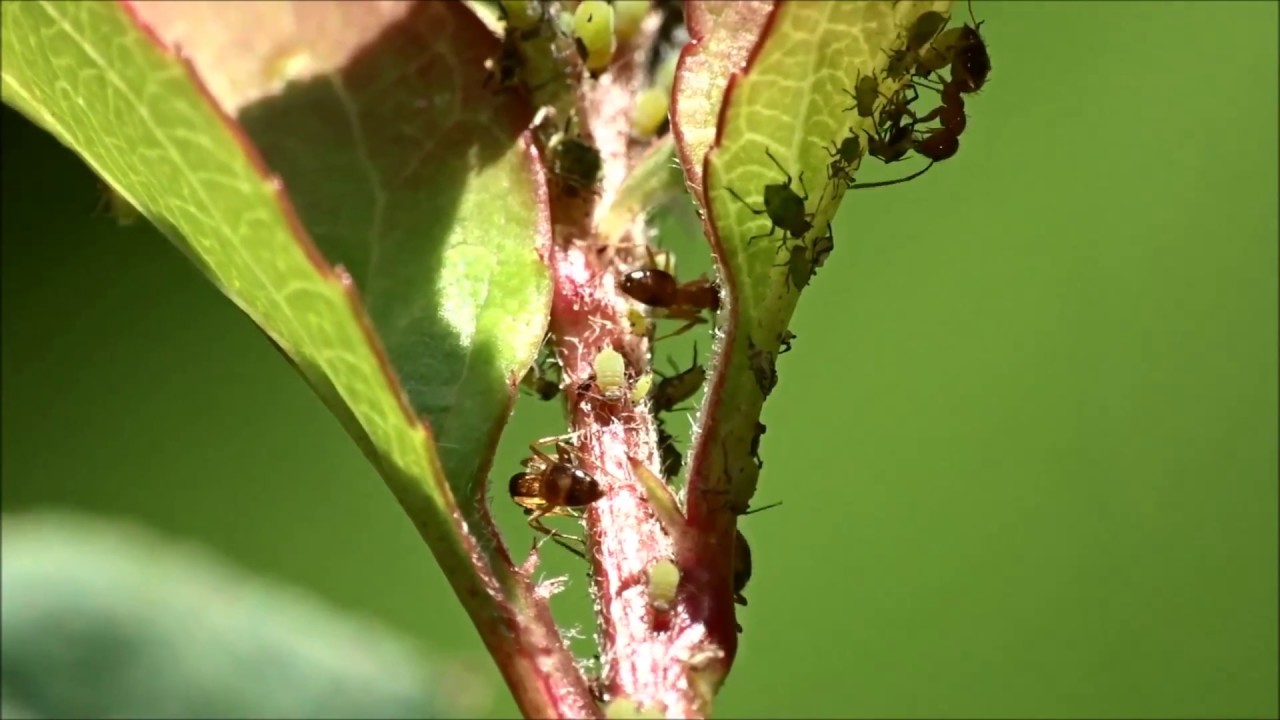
{"x": 691, "y": 322}
{"x": 734, "y": 193}
{"x": 912, "y": 176}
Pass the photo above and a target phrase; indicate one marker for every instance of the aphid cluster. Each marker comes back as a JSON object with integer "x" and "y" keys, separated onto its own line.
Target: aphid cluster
{"x": 899, "y": 131}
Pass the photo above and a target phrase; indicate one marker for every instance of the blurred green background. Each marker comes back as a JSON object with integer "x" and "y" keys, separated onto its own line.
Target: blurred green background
{"x": 1027, "y": 440}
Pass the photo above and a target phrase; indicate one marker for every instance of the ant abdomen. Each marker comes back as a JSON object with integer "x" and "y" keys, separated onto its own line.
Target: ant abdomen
{"x": 651, "y": 287}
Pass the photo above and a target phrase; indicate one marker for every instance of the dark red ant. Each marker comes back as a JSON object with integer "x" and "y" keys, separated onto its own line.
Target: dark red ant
{"x": 658, "y": 288}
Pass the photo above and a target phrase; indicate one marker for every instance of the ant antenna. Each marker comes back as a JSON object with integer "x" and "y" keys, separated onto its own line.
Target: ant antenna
{"x": 762, "y": 509}
{"x": 912, "y": 176}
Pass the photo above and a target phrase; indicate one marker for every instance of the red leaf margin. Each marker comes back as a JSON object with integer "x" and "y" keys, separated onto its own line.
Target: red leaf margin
{"x": 527, "y": 647}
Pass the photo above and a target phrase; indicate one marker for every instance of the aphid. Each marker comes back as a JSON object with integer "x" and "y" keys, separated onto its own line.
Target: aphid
{"x": 672, "y": 460}
{"x": 659, "y": 289}
{"x": 641, "y": 389}
{"x": 504, "y": 70}
{"x": 544, "y": 376}
{"x": 575, "y": 162}
{"x": 822, "y": 248}
{"x": 638, "y": 321}
{"x": 115, "y": 205}
{"x": 755, "y": 444}
{"x": 785, "y": 208}
{"x": 799, "y": 266}
{"x": 628, "y": 15}
{"x": 864, "y": 95}
{"x": 593, "y": 35}
{"x": 927, "y": 25}
{"x": 741, "y": 568}
{"x": 525, "y": 17}
{"x": 893, "y": 144}
{"x": 675, "y": 389}
{"x": 551, "y": 486}
{"x": 784, "y": 340}
{"x": 609, "y": 375}
{"x": 763, "y": 366}
{"x": 664, "y": 578}
{"x": 649, "y": 115}
{"x": 843, "y": 156}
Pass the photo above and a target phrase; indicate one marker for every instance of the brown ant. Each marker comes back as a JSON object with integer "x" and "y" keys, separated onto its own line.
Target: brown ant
{"x": 784, "y": 206}
{"x": 659, "y": 289}
{"x": 550, "y": 486}
{"x": 675, "y": 389}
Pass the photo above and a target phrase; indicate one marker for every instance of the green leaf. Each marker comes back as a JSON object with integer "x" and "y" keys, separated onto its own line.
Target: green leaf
{"x": 809, "y": 55}
{"x": 655, "y": 180}
{"x": 104, "y": 618}
{"x": 722, "y": 35}
{"x": 400, "y": 166}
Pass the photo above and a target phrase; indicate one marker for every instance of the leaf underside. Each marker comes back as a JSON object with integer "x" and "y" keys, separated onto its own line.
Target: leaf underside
{"x": 406, "y": 181}
{"x": 790, "y": 100}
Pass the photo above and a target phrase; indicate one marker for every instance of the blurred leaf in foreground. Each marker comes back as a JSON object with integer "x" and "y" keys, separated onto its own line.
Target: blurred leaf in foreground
{"x": 103, "y": 618}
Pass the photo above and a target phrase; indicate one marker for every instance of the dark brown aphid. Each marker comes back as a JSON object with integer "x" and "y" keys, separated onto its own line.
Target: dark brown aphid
{"x": 675, "y": 389}
{"x": 551, "y": 486}
{"x": 863, "y": 95}
{"x": 544, "y": 376}
{"x": 659, "y": 289}
{"x": 741, "y": 568}
{"x": 672, "y": 460}
{"x": 755, "y": 440}
{"x": 763, "y": 367}
{"x": 822, "y": 248}
{"x": 505, "y": 69}
{"x": 843, "y": 156}
{"x": 799, "y": 266}
{"x": 783, "y": 205}
{"x": 785, "y": 341}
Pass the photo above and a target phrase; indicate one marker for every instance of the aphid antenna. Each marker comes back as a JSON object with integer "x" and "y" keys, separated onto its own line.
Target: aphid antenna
{"x": 762, "y": 509}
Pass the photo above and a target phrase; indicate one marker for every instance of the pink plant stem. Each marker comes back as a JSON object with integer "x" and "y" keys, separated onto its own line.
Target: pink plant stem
{"x": 647, "y": 657}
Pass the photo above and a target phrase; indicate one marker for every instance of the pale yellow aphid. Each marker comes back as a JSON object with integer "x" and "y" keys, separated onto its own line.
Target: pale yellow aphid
{"x": 522, "y": 14}
{"x": 593, "y": 34}
{"x": 650, "y": 112}
{"x": 639, "y": 322}
{"x": 611, "y": 374}
{"x": 665, "y": 76}
{"x": 664, "y": 578}
{"x": 641, "y": 389}
{"x": 628, "y": 15}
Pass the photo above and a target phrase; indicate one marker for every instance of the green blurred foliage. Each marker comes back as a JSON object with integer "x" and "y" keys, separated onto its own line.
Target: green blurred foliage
{"x": 1027, "y": 440}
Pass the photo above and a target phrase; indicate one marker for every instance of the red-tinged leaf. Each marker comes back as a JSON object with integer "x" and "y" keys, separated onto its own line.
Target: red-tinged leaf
{"x": 722, "y": 35}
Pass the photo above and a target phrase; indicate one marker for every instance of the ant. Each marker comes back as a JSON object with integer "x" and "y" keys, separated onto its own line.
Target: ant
{"x": 675, "y": 389}
{"x": 658, "y": 288}
{"x": 550, "y": 486}
{"x": 784, "y": 206}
